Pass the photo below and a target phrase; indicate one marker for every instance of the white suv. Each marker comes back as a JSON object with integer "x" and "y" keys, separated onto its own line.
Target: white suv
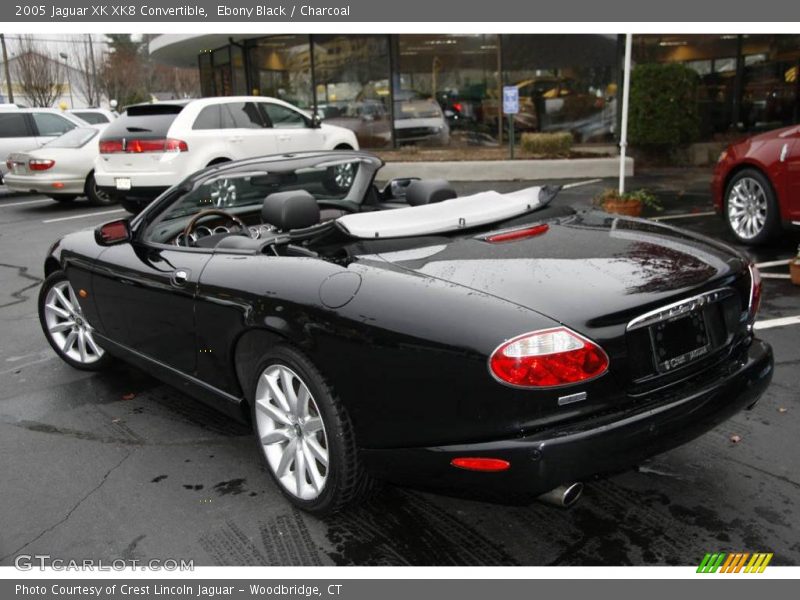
{"x": 151, "y": 147}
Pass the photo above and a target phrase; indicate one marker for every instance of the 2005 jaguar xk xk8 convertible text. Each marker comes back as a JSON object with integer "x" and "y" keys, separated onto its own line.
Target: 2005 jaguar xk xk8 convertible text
{"x": 490, "y": 345}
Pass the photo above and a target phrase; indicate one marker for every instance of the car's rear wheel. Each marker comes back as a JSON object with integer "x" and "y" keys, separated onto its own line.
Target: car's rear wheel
{"x": 63, "y": 197}
{"x": 339, "y": 178}
{"x": 304, "y": 434}
{"x": 751, "y": 209}
{"x": 95, "y": 195}
{"x": 65, "y": 326}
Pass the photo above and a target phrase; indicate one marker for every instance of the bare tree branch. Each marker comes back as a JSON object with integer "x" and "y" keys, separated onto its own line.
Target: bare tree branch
{"x": 88, "y": 59}
{"x": 38, "y": 72}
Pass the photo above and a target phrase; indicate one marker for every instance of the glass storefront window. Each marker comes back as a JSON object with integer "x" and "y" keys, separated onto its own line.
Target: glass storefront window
{"x": 770, "y": 94}
{"x": 206, "y": 74}
{"x": 280, "y": 67}
{"x": 351, "y": 74}
{"x": 566, "y": 83}
{"x": 444, "y": 85}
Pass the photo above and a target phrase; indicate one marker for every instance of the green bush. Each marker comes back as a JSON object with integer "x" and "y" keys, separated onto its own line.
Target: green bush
{"x": 663, "y": 107}
{"x": 548, "y": 144}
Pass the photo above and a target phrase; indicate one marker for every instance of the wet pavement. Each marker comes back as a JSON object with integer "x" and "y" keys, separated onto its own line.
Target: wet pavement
{"x": 118, "y": 465}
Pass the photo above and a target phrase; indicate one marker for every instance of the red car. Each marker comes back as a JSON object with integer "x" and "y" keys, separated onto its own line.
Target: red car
{"x": 756, "y": 185}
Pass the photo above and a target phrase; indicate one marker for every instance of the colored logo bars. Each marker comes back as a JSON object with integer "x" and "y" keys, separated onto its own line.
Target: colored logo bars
{"x": 735, "y": 562}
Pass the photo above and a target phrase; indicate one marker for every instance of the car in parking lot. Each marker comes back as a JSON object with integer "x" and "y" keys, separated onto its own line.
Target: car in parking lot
{"x": 94, "y": 116}
{"x": 493, "y": 344}
{"x": 151, "y": 147}
{"x": 756, "y": 185}
{"x": 23, "y": 129}
{"x": 62, "y": 169}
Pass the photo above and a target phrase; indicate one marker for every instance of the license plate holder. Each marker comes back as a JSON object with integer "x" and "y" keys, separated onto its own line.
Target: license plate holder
{"x": 122, "y": 183}
{"x": 680, "y": 341}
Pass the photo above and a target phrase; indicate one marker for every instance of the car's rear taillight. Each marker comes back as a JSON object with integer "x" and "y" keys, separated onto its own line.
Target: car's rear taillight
{"x": 40, "y": 164}
{"x": 547, "y": 358}
{"x": 141, "y": 146}
{"x": 755, "y": 292}
{"x": 111, "y": 146}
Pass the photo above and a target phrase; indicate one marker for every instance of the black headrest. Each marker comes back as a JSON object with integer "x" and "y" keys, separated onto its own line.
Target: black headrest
{"x": 428, "y": 191}
{"x": 296, "y": 209}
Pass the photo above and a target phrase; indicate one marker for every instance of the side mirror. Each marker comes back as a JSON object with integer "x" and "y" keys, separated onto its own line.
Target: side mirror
{"x": 114, "y": 232}
{"x": 395, "y": 189}
{"x": 316, "y": 121}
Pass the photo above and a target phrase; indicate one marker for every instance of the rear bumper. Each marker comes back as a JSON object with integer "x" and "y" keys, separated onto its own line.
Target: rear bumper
{"x": 44, "y": 184}
{"x": 610, "y": 443}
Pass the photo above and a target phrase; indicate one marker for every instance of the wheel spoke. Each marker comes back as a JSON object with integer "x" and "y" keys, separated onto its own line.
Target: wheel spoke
{"x": 312, "y": 425}
{"x": 276, "y": 393}
{"x": 92, "y": 344}
{"x": 299, "y": 468}
{"x": 287, "y": 381}
{"x": 287, "y": 458}
{"x": 58, "y": 311}
{"x": 63, "y": 300}
{"x": 302, "y": 402}
{"x": 317, "y": 451}
{"x": 275, "y": 436}
{"x": 69, "y": 342}
{"x": 273, "y": 412}
{"x": 64, "y": 325}
{"x": 317, "y": 479}
{"x": 82, "y": 345}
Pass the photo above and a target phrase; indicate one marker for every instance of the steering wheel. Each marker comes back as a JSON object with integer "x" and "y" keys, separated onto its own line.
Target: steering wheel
{"x": 212, "y": 212}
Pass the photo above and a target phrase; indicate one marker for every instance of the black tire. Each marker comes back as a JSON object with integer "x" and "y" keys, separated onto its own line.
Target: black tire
{"x": 772, "y": 223}
{"x": 132, "y": 206}
{"x": 96, "y": 196}
{"x": 347, "y": 481}
{"x": 63, "y": 197}
{"x": 55, "y": 278}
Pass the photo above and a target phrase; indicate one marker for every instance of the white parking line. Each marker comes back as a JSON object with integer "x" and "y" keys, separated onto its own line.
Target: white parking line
{"x": 684, "y": 216}
{"x": 775, "y": 276}
{"x": 4, "y": 205}
{"x": 94, "y": 214}
{"x": 770, "y": 323}
{"x": 576, "y": 184}
{"x": 773, "y": 263}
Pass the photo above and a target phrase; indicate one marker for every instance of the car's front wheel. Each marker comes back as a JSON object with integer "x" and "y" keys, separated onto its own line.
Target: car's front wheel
{"x": 751, "y": 209}
{"x": 304, "y": 434}
{"x": 65, "y": 326}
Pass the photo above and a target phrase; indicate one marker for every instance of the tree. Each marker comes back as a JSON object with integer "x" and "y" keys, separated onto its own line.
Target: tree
{"x": 39, "y": 74}
{"x": 123, "y": 75}
{"x": 88, "y": 60}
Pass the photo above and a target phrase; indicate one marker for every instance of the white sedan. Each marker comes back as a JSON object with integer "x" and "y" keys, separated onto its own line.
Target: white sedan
{"x": 62, "y": 169}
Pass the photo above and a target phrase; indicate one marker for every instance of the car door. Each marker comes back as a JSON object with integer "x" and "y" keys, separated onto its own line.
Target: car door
{"x": 49, "y": 126}
{"x": 246, "y": 130}
{"x": 292, "y": 129}
{"x": 144, "y": 295}
{"x": 792, "y": 153}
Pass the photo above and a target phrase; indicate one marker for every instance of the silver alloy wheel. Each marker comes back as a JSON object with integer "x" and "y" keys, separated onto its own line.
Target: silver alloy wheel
{"x": 747, "y": 208}
{"x": 292, "y": 434}
{"x": 68, "y": 327}
{"x": 343, "y": 176}
{"x": 223, "y": 192}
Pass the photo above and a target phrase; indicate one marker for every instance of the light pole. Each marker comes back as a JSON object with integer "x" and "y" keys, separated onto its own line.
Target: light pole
{"x": 65, "y": 56}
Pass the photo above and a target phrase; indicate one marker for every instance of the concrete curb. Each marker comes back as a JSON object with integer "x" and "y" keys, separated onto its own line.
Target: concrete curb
{"x": 508, "y": 170}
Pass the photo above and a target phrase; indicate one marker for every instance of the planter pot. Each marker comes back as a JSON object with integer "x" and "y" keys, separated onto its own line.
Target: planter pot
{"x": 623, "y": 207}
{"x": 794, "y": 271}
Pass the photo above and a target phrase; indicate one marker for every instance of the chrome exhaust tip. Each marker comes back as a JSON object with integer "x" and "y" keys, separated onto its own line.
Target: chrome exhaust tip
{"x": 564, "y": 495}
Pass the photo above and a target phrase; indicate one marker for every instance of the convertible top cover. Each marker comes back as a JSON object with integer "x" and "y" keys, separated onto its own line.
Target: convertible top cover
{"x": 450, "y": 215}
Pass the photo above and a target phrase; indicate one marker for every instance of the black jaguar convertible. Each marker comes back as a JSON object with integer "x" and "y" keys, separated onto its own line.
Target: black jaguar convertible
{"x": 493, "y": 345}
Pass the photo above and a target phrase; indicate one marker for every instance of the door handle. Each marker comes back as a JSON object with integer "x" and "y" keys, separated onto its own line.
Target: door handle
{"x": 284, "y": 138}
{"x": 180, "y": 277}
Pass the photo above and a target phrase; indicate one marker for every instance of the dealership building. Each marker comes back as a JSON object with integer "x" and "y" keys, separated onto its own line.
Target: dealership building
{"x": 446, "y": 89}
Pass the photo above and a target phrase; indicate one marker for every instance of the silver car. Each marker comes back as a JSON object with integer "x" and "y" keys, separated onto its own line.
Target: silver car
{"x": 62, "y": 169}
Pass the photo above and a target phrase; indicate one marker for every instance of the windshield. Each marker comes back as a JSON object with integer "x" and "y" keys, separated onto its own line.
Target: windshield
{"x": 75, "y": 138}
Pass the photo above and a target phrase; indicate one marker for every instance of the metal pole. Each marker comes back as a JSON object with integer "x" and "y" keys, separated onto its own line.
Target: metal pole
{"x": 626, "y": 88}
{"x": 5, "y": 66}
{"x": 95, "y": 99}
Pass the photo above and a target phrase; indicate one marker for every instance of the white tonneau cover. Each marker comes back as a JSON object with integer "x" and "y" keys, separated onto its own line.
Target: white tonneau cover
{"x": 450, "y": 215}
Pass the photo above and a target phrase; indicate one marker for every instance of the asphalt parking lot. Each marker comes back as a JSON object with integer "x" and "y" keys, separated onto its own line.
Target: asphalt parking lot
{"x": 118, "y": 465}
